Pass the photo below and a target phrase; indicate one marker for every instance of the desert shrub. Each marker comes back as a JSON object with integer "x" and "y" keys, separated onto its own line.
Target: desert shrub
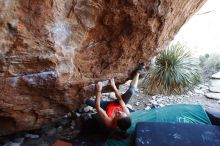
{"x": 210, "y": 64}
{"x": 174, "y": 72}
{"x": 202, "y": 59}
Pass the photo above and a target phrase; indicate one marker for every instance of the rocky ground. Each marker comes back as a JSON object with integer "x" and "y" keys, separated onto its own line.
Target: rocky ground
{"x": 143, "y": 101}
{"x": 69, "y": 126}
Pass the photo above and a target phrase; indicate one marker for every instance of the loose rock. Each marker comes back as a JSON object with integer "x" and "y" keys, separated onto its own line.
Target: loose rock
{"x": 214, "y": 85}
{"x": 198, "y": 91}
{"x": 214, "y": 89}
{"x": 87, "y": 109}
{"x": 59, "y": 129}
{"x": 153, "y": 97}
{"x": 19, "y": 140}
{"x": 112, "y": 95}
{"x": 137, "y": 103}
{"x": 32, "y": 136}
{"x": 129, "y": 106}
{"x": 12, "y": 144}
{"x": 153, "y": 102}
{"x": 213, "y": 95}
{"x": 216, "y": 76}
{"x": 147, "y": 108}
{"x": 161, "y": 105}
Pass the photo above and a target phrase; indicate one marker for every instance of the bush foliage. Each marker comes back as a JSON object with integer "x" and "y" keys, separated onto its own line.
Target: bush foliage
{"x": 210, "y": 64}
{"x": 174, "y": 72}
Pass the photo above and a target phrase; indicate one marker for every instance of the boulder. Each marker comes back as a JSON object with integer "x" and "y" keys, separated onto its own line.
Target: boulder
{"x": 216, "y": 75}
{"x": 51, "y": 49}
{"x": 214, "y": 89}
{"x": 214, "y": 85}
{"x": 213, "y": 95}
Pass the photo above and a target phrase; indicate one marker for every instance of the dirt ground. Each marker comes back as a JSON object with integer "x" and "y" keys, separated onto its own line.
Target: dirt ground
{"x": 144, "y": 101}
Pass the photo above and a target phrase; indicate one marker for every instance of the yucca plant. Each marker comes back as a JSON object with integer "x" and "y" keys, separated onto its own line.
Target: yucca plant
{"x": 174, "y": 72}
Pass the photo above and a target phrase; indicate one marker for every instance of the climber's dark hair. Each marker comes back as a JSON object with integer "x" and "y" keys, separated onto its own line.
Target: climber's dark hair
{"x": 124, "y": 123}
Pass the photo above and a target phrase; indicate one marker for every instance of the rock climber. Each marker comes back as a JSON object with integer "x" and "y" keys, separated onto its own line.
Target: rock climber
{"x": 115, "y": 114}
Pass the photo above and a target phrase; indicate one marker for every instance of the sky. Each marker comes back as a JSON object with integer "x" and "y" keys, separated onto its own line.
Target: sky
{"x": 202, "y": 31}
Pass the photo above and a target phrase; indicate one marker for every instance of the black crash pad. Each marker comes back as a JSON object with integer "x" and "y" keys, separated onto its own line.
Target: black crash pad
{"x": 176, "y": 134}
{"x": 214, "y": 117}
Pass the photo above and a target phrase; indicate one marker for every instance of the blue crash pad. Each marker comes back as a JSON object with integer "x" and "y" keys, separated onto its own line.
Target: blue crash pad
{"x": 176, "y": 134}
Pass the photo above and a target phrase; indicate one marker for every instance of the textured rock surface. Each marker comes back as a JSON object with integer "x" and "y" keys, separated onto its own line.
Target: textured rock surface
{"x": 216, "y": 76}
{"x": 214, "y": 85}
{"x": 213, "y": 95}
{"x": 50, "y": 49}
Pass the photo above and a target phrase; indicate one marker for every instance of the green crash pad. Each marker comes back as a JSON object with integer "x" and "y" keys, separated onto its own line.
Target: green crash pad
{"x": 179, "y": 113}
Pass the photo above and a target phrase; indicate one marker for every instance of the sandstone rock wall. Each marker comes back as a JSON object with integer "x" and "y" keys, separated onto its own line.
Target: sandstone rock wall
{"x": 50, "y": 49}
